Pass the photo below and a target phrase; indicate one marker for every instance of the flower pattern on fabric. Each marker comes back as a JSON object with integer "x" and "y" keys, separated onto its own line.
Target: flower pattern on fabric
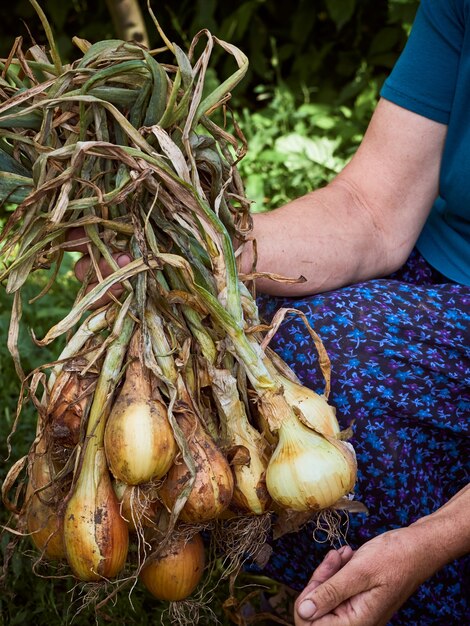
{"x": 400, "y": 355}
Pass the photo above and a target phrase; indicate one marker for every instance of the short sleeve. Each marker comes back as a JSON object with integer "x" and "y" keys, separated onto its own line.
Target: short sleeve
{"x": 424, "y": 77}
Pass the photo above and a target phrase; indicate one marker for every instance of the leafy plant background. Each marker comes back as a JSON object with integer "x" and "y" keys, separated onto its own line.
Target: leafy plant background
{"x": 316, "y": 69}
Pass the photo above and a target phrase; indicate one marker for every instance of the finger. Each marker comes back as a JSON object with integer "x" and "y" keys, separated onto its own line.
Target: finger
{"x": 114, "y": 290}
{"x": 346, "y": 553}
{"x": 344, "y": 584}
{"x": 334, "y": 560}
{"x": 327, "y": 568}
{"x": 330, "y": 565}
{"x": 83, "y": 265}
{"x": 75, "y": 234}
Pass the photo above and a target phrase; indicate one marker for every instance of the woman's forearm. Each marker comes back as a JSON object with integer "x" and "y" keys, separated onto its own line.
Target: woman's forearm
{"x": 445, "y": 534}
{"x": 325, "y": 237}
{"x": 366, "y": 221}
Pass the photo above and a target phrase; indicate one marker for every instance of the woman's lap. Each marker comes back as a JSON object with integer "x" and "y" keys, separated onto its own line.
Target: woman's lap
{"x": 400, "y": 355}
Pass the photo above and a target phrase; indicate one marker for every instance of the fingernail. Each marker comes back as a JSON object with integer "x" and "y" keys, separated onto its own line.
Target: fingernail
{"x": 307, "y": 609}
{"x": 123, "y": 259}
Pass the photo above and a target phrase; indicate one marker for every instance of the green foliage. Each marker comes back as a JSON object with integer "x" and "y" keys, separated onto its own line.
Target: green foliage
{"x": 311, "y": 47}
{"x": 294, "y": 149}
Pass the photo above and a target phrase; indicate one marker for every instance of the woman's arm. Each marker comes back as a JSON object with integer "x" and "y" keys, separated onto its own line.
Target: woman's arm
{"x": 367, "y": 587}
{"x": 366, "y": 221}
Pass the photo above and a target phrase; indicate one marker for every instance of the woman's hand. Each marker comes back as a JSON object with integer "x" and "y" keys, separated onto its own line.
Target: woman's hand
{"x": 82, "y": 267}
{"x": 366, "y": 587}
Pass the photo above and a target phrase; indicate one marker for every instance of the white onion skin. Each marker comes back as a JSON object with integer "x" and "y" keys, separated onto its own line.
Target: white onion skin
{"x": 174, "y": 575}
{"x": 308, "y": 471}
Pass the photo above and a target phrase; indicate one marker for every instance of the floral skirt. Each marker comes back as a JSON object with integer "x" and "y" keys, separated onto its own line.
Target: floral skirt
{"x": 400, "y": 357}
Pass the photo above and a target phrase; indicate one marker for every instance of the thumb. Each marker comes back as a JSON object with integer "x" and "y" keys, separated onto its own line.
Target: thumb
{"x": 331, "y": 593}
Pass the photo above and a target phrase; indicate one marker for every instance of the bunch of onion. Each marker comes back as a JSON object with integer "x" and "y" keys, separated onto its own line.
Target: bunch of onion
{"x": 189, "y": 403}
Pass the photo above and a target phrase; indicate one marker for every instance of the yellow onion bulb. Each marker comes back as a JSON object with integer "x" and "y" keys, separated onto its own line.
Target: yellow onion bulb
{"x": 308, "y": 471}
{"x": 138, "y": 439}
{"x": 96, "y": 535}
{"x": 174, "y": 574}
{"x": 213, "y": 486}
{"x": 46, "y": 529}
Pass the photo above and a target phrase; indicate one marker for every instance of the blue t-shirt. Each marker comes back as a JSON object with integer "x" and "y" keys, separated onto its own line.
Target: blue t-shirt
{"x": 432, "y": 78}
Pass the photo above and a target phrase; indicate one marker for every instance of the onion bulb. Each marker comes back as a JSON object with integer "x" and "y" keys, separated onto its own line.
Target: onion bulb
{"x": 42, "y": 519}
{"x": 174, "y": 574}
{"x": 96, "y": 536}
{"x": 138, "y": 439}
{"x": 309, "y": 471}
{"x": 70, "y": 395}
{"x": 213, "y": 486}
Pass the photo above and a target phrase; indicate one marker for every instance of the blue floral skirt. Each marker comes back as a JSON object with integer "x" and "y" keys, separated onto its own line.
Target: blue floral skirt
{"x": 400, "y": 356}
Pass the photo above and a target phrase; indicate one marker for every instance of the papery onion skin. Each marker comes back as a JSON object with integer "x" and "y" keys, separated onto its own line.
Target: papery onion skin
{"x": 176, "y": 573}
{"x": 250, "y": 493}
{"x": 66, "y": 414}
{"x": 308, "y": 471}
{"x": 244, "y": 445}
{"x": 96, "y": 536}
{"x": 315, "y": 410}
